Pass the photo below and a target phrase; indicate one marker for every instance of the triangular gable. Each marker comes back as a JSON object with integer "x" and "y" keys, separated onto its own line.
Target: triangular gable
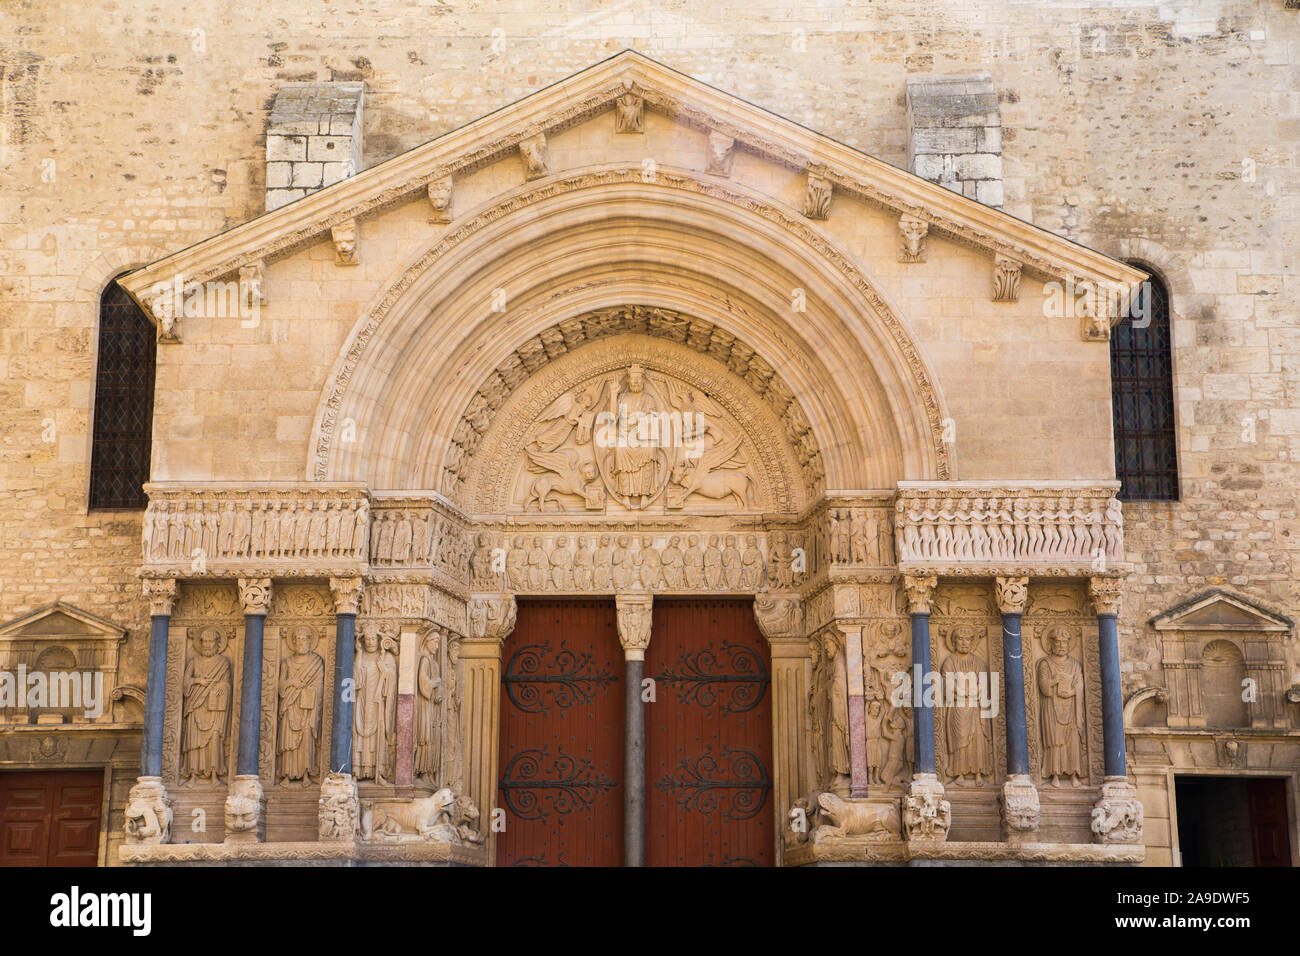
{"x": 60, "y": 620}
{"x": 593, "y": 91}
{"x": 1218, "y": 610}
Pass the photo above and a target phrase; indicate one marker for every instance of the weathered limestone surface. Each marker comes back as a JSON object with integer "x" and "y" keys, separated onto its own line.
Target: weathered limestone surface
{"x": 128, "y": 134}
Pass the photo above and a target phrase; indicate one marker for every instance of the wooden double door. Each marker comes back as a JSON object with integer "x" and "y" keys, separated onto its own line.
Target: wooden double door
{"x": 708, "y": 737}
{"x": 50, "y": 818}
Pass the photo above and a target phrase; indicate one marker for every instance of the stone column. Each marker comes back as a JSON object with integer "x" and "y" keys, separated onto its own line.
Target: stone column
{"x": 491, "y": 618}
{"x": 149, "y": 808}
{"x": 780, "y": 618}
{"x": 1020, "y": 807}
{"x": 339, "y": 809}
{"x": 857, "y": 710}
{"x": 1117, "y": 815}
{"x": 407, "y": 660}
{"x": 926, "y": 814}
{"x": 246, "y": 801}
{"x": 634, "y": 616}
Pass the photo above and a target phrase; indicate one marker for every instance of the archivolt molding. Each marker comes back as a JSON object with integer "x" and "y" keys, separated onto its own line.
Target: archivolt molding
{"x": 886, "y": 320}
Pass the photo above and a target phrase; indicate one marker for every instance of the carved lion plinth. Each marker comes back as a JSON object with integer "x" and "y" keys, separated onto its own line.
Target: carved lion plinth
{"x": 440, "y": 818}
{"x": 148, "y": 813}
{"x": 1117, "y": 817}
{"x": 854, "y": 818}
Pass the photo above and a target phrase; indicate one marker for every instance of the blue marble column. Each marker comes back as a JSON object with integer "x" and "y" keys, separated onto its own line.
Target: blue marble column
{"x": 1106, "y": 598}
{"x": 347, "y": 598}
{"x": 255, "y": 597}
{"x": 919, "y": 590}
{"x": 161, "y": 593}
{"x": 1011, "y": 596}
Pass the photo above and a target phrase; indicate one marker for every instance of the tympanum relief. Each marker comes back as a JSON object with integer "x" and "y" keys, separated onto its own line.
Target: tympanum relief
{"x": 631, "y": 440}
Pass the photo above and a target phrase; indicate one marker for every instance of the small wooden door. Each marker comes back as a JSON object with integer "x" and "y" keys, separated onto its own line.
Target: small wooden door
{"x": 1268, "y": 821}
{"x": 50, "y": 819}
{"x": 561, "y": 756}
{"x": 708, "y": 737}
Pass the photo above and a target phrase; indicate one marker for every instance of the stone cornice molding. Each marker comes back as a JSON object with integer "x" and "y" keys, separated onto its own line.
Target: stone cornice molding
{"x": 593, "y": 91}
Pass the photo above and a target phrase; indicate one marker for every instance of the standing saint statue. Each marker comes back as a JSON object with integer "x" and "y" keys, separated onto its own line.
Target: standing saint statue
{"x": 966, "y": 733}
{"x": 1060, "y": 709}
{"x": 206, "y": 710}
{"x": 451, "y": 751}
{"x": 302, "y": 693}
{"x": 376, "y": 705}
{"x": 428, "y": 709}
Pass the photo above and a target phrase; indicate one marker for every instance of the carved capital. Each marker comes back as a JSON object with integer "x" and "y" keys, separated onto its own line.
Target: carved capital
{"x": 911, "y": 238}
{"x": 1011, "y": 594}
{"x": 347, "y": 593}
{"x": 1106, "y": 594}
{"x": 919, "y": 588}
{"x": 161, "y": 595}
{"x": 491, "y": 617}
{"x": 148, "y": 813}
{"x": 439, "y": 192}
{"x": 536, "y": 156}
{"x": 817, "y": 196}
{"x": 255, "y": 595}
{"x": 344, "y": 236}
{"x": 721, "y": 151}
{"x": 1006, "y": 279}
{"x": 779, "y": 616}
{"x": 634, "y": 616}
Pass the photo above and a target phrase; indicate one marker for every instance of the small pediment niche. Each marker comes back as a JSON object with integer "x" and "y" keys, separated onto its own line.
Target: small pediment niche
{"x": 58, "y": 665}
{"x": 1225, "y": 663}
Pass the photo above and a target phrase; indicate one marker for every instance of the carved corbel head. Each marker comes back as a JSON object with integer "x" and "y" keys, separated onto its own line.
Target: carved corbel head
{"x": 345, "y": 242}
{"x": 439, "y": 192}
{"x": 721, "y": 150}
{"x": 536, "y": 156}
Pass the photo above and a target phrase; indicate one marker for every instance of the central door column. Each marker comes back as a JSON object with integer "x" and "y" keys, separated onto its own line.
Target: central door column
{"x": 634, "y": 614}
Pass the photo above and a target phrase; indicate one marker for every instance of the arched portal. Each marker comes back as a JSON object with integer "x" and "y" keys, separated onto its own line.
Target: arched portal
{"x": 486, "y": 307}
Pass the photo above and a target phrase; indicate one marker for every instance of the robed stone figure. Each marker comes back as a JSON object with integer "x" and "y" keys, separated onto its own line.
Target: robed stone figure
{"x": 206, "y": 709}
{"x": 1060, "y": 708}
{"x": 302, "y": 693}
{"x": 374, "y": 719}
{"x": 966, "y": 732}
{"x": 428, "y": 710}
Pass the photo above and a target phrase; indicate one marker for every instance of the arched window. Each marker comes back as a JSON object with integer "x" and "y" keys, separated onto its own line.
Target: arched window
{"x": 1142, "y": 399}
{"x": 119, "y": 461}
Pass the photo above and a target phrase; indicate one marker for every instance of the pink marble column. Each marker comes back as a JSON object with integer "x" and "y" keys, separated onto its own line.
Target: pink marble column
{"x": 857, "y": 710}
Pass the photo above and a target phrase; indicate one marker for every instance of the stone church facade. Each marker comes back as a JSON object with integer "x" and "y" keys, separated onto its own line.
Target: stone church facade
{"x": 520, "y": 383}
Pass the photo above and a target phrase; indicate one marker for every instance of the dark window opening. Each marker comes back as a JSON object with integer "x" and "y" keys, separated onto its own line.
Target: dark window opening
{"x": 124, "y": 378}
{"x": 1142, "y": 399}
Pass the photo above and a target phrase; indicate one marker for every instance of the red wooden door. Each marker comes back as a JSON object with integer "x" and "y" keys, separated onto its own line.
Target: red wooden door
{"x": 50, "y": 819}
{"x": 562, "y": 737}
{"x": 708, "y": 737}
{"x": 1268, "y": 821}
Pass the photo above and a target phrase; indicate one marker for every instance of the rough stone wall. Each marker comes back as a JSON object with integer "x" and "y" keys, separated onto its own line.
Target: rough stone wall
{"x": 1164, "y": 132}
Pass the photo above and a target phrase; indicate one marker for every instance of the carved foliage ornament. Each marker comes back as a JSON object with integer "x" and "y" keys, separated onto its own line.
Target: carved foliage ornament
{"x": 817, "y": 196}
{"x": 911, "y": 235}
{"x": 1011, "y": 594}
{"x": 1006, "y": 279}
{"x": 161, "y": 595}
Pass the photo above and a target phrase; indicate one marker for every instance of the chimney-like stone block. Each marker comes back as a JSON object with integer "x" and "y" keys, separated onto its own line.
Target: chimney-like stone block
{"x": 313, "y": 139}
{"x": 955, "y": 134}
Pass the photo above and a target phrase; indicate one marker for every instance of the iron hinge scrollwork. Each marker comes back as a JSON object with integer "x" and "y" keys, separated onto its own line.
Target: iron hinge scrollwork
{"x": 570, "y": 784}
{"x": 700, "y": 678}
{"x": 571, "y": 678}
{"x": 736, "y": 777}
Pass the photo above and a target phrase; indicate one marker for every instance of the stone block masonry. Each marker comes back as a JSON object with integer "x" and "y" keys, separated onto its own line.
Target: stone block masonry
{"x": 955, "y": 134}
{"x": 313, "y": 139}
